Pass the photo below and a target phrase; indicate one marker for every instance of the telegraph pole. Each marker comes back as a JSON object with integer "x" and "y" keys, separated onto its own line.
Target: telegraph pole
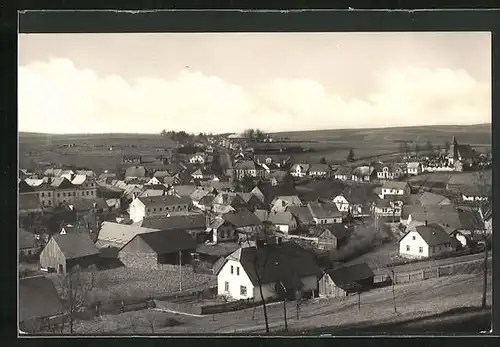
{"x": 70, "y": 299}
{"x": 485, "y": 239}
{"x": 180, "y": 271}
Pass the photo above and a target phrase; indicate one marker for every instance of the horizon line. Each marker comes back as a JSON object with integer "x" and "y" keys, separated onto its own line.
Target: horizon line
{"x": 267, "y": 132}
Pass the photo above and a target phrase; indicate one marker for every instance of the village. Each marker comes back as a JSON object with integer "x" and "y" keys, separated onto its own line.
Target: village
{"x": 231, "y": 222}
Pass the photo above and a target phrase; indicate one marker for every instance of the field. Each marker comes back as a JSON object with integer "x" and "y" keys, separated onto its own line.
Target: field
{"x": 334, "y": 145}
{"x": 429, "y": 298}
{"x": 126, "y": 283}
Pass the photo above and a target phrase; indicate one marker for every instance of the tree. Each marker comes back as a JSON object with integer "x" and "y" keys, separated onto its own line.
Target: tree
{"x": 163, "y": 133}
{"x": 74, "y": 292}
{"x": 259, "y": 135}
{"x": 350, "y": 156}
{"x": 249, "y": 134}
{"x": 323, "y": 160}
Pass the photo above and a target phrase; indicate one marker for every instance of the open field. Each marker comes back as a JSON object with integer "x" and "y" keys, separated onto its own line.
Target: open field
{"x": 126, "y": 283}
{"x": 413, "y": 301}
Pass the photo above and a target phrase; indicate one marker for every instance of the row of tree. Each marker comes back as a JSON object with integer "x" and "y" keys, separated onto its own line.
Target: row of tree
{"x": 254, "y": 135}
{"x": 429, "y": 148}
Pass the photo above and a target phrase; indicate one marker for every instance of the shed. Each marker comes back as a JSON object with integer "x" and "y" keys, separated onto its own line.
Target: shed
{"x": 346, "y": 280}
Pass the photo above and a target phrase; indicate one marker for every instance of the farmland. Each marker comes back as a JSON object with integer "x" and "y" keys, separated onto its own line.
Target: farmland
{"x": 429, "y": 298}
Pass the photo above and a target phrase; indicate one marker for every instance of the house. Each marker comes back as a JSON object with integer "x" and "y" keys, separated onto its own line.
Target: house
{"x": 154, "y": 181}
{"x": 281, "y": 203}
{"x": 184, "y": 191}
{"x": 458, "y": 152}
{"x": 414, "y": 168}
{"x": 86, "y": 185}
{"x": 342, "y": 281}
{"x": 220, "y": 230}
{"x": 329, "y": 237}
{"x": 283, "y": 221}
{"x": 233, "y": 200}
{"x": 343, "y": 173}
{"x": 135, "y": 171}
{"x": 324, "y": 213}
{"x": 388, "y": 208}
{"x": 245, "y": 223}
{"x": 303, "y": 216}
{"x": 273, "y": 269}
{"x": 39, "y": 304}
{"x": 428, "y": 198}
{"x": 161, "y": 174}
{"x": 253, "y": 202}
{"x": 390, "y": 172}
{"x": 247, "y": 168}
{"x": 354, "y": 201}
{"x": 193, "y": 223}
{"x": 395, "y": 189}
{"x": 363, "y": 174}
{"x": 113, "y": 236}
{"x": 299, "y": 170}
{"x": 423, "y": 241}
{"x": 63, "y": 252}
{"x": 158, "y": 250}
{"x": 197, "y": 195}
{"x": 205, "y": 203}
{"x": 156, "y": 206}
{"x": 475, "y": 193}
{"x": 131, "y": 159}
{"x": 319, "y": 171}
{"x": 267, "y": 192}
{"x": 197, "y": 158}
{"x": 211, "y": 257}
{"x": 28, "y": 245}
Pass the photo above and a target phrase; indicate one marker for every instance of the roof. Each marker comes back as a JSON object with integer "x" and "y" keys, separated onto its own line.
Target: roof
{"x": 61, "y": 183}
{"x": 286, "y": 263}
{"x": 29, "y": 203}
{"x": 362, "y": 171}
{"x": 476, "y": 190}
{"x": 428, "y": 198}
{"x": 198, "y": 194}
{"x": 168, "y": 241}
{"x": 431, "y": 210}
{"x": 119, "y": 234}
{"x": 246, "y": 165}
{"x": 222, "y": 249}
{"x": 161, "y": 174}
{"x": 135, "y": 171}
{"x": 184, "y": 190}
{"x": 344, "y": 171}
{"x": 75, "y": 245}
{"x": 433, "y": 234}
{"x": 303, "y": 167}
{"x": 164, "y": 200}
{"x": 395, "y": 185}
{"x": 261, "y": 214}
{"x": 26, "y": 240}
{"x": 319, "y": 168}
{"x": 323, "y": 210}
{"x": 346, "y": 275}
{"x": 206, "y": 200}
{"x": 187, "y": 221}
{"x": 290, "y": 199}
{"x": 302, "y": 213}
{"x": 337, "y": 230}
{"x": 79, "y": 179}
{"x": 413, "y": 165}
{"x": 358, "y": 194}
{"x": 241, "y": 218}
{"x": 280, "y": 218}
{"x": 152, "y": 192}
{"x": 38, "y": 298}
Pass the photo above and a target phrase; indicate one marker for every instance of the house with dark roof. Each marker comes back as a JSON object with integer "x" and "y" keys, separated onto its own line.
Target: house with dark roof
{"x": 39, "y": 304}
{"x": 342, "y": 281}
{"x": 63, "y": 252}
{"x": 390, "y": 172}
{"x": 329, "y": 237}
{"x": 428, "y": 198}
{"x": 248, "y": 168}
{"x": 276, "y": 269}
{"x": 319, "y": 171}
{"x": 193, "y": 223}
{"x": 158, "y": 250}
{"x": 355, "y": 201}
{"x": 267, "y": 192}
{"x": 281, "y": 203}
{"x": 423, "y": 241}
{"x": 396, "y": 189}
{"x": 303, "y": 216}
{"x": 343, "y": 173}
{"x": 246, "y": 224}
{"x": 285, "y": 222}
{"x": 157, "y": 206}
{"x": 324, "y": 213}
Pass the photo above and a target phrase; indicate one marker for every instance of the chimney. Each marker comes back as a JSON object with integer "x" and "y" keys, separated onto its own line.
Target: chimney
{"x": 425, "y": 222}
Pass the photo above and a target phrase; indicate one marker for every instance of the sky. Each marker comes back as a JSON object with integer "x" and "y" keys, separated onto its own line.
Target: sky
{"x": 229, "y": 82}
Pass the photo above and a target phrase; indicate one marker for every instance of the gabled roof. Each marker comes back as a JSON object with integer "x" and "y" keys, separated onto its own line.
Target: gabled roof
{"x": 319, "y": 168}
{"x": 433, "y": 234}
{"x": 38, "y": 298}
{"x": 428, "y": 198}
{"x": 160, "y": 173}
{"x": 346, "y": 275}
{"x": 241, "y": 218}
{"x": 280, "y": 218}
{"x": 75, "y": 245}
{"x": 184, "y": 190}
{"x": 413, "y": 165}
{"x": 222, "y": 249}
{"x": 246, "y": 165}
{"x": 262, "y": 215}
{"x": 289, "y": 199}
{"x": 61, "y": 183}
{"x": 344, "y": 171}
{"x": 171, "y": 222}
{"x": 206, "y": 200}
{"x": 79, "y": 179}
{"x": 198, "y": 194}
{"x": 337, "y": 230}
{"x": 323, "y": 210}
{"x": 363, "y": 171}
{"x": 303, "y": 167}
{"x": 395, "y": 185}
{"x": 166, "y": 200}
{"x": 119, "y": 234}
{"x": 135, "y": 171}
{"x": 168, "y": 241}
{"x": 286, "y": 263}
{"x": 302, "y": 213}
{"x": 152, "y": 192}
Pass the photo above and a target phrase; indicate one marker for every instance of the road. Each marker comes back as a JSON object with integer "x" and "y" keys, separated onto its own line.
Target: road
{"x": 433, "y": 263}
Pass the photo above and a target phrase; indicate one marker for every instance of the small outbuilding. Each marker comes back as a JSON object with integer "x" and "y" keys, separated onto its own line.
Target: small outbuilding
{"x": 346, "y": 280}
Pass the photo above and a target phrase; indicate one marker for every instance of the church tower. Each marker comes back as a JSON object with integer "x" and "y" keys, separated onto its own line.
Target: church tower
{"x": 452, "y": 154}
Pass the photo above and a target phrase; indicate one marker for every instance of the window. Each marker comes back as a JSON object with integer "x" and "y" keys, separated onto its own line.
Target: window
{"x": 420, "y": 249}
{"x": 166, "y": 208}
{"x": 237, "y": 271}
{"x": 407, "y": 248}
{"x": 43, "y": 194}
{"x": 413, "y": 237}
{"x": 50, "y": 202}
{"x": 149, "y": 210}
{"x": 243, "y": 291}
{"x": 232, "y": 269}
{"x": 226, "y": 286}
{"x": 160, "y": 209}
{"x": 48, "y": 194}
{"x": 154, "y": 209}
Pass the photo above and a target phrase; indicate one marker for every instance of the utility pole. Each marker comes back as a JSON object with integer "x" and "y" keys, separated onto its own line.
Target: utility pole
{"x": 485, "y": 239}
{"x": 70, "y": 299}
{"x": 359, "y": 301}
{"x": 393, "y": 293}
{"x": 180, "y": 271}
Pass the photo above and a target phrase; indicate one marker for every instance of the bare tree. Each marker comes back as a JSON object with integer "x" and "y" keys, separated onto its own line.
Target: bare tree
{"x": 74, "y": 292}
{"x": 485, "y": 239}
{"x": 390, "y": 267}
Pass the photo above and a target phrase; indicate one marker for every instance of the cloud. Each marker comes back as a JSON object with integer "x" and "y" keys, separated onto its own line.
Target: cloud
{"x": 56, "y": 97}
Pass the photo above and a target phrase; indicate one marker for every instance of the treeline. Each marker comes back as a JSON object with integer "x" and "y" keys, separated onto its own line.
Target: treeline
{"x": 182, "y": 136}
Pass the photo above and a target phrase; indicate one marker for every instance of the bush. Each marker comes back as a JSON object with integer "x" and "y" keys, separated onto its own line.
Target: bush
{"x": 170, "y": 322}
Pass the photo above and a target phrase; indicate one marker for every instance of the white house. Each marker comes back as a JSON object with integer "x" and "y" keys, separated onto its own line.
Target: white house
{"x": 423, "y": 241}
{"x": 393, "y": 188}
{"x": 299, "y": 170}
{"x": 156, "y": 206}
{"x": 284, "y": 221}
{"x": 390, "y": 173}
{"x": 197, "y": 159}
{"x": 414, "y": 168}
{"x": 283, "y": 267}
{"x": 323, "y": 213}
{"x": 154, "y": 180}
{"x": 341, "y": 202}
{"x": 343, "y": 173}
{"x": 319, "y": 170}
{"x": 471, "y": 193}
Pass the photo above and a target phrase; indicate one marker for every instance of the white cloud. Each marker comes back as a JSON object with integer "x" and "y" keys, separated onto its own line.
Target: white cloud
{"x": 56, "y": 97}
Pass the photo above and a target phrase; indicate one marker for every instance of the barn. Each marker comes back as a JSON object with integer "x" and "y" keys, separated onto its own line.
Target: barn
{"x": 346, "y": 280}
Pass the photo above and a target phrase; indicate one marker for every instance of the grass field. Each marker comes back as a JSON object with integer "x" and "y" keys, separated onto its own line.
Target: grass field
{"x": 413, "y": 301}
{"x": 126, "y": 283}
